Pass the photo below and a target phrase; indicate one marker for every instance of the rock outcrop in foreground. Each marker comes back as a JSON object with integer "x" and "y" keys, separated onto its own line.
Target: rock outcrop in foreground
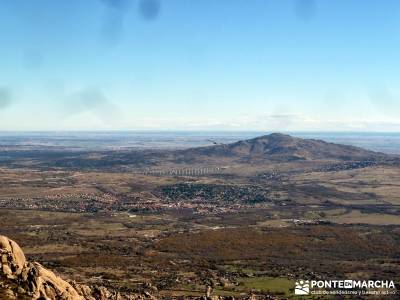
{"x": 21, "y": 279}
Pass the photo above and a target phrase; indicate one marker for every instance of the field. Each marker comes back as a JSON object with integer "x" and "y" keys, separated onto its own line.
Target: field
{"x": 122, "y": 250}
{"x": 179, "y": 228}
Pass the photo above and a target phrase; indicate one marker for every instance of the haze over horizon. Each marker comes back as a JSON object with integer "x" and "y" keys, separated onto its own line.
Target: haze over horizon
{"x": 291, "y": 65}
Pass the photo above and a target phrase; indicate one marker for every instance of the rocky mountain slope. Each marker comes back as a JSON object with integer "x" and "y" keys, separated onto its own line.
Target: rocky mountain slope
{"x": 23, "y": 280}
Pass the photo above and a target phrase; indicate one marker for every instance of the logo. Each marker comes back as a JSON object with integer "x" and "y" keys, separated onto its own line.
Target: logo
{"x": 345, "y": 287}
{"x": 302, "y": 287}
{"x": 348, "y": 284}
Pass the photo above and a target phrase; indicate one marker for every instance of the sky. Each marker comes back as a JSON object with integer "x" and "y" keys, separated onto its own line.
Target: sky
{"x": 286, "y": 65}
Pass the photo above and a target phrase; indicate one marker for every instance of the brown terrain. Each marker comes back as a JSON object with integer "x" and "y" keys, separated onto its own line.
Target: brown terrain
{"x": 281, "y": 147}
{"x": 228, "y": 221}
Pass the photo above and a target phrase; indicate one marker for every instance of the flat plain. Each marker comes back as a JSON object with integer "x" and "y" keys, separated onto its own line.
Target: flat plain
{"x": 243, "y": 218}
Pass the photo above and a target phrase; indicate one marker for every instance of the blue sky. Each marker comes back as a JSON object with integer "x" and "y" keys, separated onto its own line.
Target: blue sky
{"x": 207, "y": 65}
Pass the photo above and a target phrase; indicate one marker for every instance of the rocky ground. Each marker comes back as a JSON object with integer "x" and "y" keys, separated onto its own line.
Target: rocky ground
{"x": 21, "y": 279}
{"x": 122, "y": 225}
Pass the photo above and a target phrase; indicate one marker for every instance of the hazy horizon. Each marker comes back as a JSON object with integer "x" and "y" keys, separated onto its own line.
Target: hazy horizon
{"x": 388, "y": 142}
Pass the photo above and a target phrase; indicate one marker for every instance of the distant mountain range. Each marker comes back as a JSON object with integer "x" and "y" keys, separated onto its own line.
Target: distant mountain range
{"x": 281, "y": 147}
{"x": 274, "y": 147}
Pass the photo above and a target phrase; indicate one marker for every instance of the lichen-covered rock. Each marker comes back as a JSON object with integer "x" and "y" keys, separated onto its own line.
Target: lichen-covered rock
{"x": 12, "y": 258}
